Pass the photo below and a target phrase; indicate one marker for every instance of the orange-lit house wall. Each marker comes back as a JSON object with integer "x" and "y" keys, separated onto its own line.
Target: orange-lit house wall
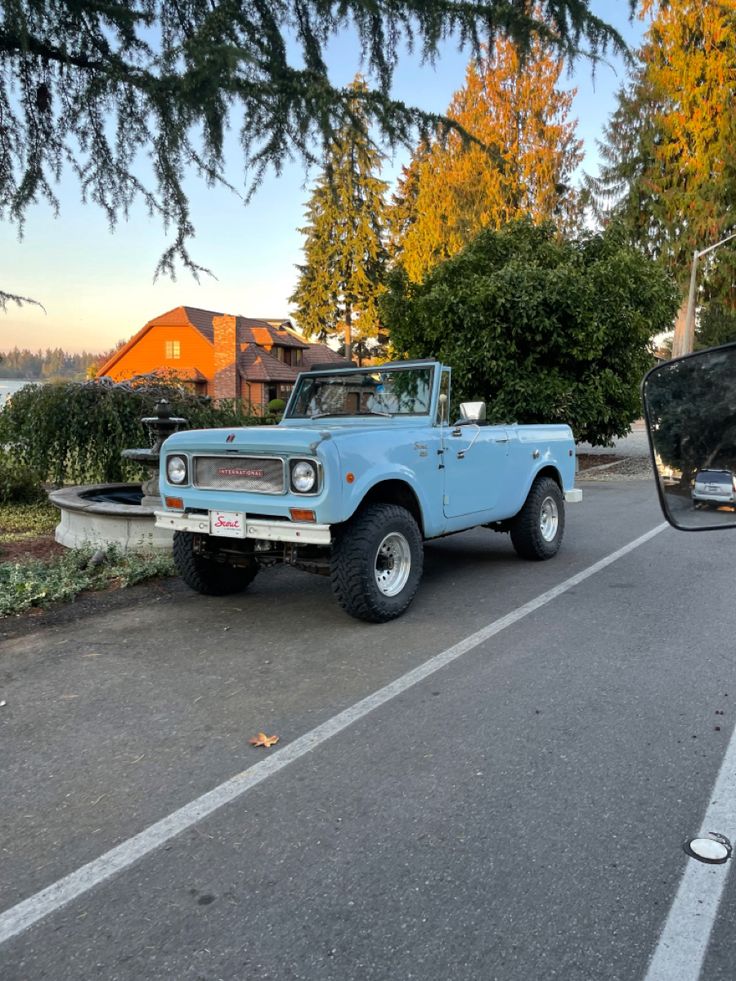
{"x": 149, "y": 353}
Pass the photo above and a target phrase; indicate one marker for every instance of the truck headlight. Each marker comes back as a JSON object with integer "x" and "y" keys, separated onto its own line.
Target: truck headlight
{"x": 176, "y": 469}
{"x": 303, "y": 476}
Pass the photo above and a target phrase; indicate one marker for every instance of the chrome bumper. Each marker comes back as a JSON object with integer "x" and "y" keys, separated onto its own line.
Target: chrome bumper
{"x": 275, "y": 531}
{"x": 574, "y": 496}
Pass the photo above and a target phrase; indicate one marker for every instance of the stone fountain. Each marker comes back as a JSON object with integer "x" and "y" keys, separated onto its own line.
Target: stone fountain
{"x": 120, "y": 514}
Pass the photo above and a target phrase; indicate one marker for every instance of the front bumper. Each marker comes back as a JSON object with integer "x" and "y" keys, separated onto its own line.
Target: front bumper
{"x": 574, "y": 496}
{"x": 305, "y": 533}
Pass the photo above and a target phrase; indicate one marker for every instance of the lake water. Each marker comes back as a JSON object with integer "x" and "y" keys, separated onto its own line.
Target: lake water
{"x": 10, "y": 385}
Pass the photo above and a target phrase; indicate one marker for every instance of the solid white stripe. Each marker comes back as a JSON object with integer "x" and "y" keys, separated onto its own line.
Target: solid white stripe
{"x": 18, "y": 918}
{"x": 684, "y": 939}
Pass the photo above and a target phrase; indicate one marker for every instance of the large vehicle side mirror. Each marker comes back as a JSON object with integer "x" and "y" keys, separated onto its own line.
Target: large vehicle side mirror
{"x": 690, "y": 409}
{"x": 473, "y": 412}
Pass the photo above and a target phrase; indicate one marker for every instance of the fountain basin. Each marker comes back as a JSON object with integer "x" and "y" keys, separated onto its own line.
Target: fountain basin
{"x": 107, "y": 514}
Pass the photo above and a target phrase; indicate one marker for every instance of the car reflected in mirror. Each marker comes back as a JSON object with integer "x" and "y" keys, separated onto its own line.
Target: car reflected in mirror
{"x": 690, "y": 410}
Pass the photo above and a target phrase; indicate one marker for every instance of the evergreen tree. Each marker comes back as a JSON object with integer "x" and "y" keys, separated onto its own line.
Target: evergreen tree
{"x": 520, "y": 167}
{"x": 345, "y": 257}
{"x": 94, "y": 87}
{"x": 622, "y": 191}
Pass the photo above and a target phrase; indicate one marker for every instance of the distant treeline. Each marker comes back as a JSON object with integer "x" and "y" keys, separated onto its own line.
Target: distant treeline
{"x": 48, "y": 364}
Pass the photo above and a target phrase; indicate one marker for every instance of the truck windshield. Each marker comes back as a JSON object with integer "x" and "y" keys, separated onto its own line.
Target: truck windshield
{"x": 373, "y": 392}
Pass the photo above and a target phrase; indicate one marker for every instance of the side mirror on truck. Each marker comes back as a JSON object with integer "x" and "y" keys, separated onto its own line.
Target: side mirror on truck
{"x": 690, "y": 411}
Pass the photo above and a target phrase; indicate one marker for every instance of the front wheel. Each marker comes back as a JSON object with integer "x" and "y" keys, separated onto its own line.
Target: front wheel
{"x": 537, "y": 530}
{"x": 376, "y": 563}
{"x": 205, "y": 575}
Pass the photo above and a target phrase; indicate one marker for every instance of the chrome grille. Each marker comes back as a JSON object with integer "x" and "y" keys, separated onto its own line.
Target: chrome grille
{"x": 260, "y": 475}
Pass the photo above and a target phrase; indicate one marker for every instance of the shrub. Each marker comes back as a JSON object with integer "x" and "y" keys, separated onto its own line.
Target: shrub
{"x": 19, "y": 483}
{"x": 36, "y": 583}
{"x": 542, "y": 328}
{"x": 75, "y": 432}
{"x": 275, "y": 410}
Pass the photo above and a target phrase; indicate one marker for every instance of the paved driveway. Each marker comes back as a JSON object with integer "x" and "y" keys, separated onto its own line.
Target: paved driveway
{"x": 495, "y": 786}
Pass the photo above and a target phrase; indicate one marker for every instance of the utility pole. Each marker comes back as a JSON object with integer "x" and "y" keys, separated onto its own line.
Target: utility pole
{"x": 684, "y": 338}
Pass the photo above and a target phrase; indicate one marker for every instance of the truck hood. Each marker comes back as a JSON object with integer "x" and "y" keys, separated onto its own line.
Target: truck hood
{"x": 261, "y": 439}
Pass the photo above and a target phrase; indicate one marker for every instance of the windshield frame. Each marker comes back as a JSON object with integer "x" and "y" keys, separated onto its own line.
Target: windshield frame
{"x": 431, "y": 366}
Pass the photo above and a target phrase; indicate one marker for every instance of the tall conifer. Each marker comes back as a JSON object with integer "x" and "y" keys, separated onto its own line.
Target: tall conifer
{"x": 344, "y": 250}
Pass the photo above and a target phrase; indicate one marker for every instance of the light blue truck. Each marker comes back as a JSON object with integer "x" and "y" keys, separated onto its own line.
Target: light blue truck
{"x": 366, "y": 465}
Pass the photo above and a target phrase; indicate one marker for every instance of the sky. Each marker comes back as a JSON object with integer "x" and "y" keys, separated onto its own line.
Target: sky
{"x": 97, "y": 286}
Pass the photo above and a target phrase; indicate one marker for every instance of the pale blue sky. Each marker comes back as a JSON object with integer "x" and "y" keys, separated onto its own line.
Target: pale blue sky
{"x": 97, "y": 287}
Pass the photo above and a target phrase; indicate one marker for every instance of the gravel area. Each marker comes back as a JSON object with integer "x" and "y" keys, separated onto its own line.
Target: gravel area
{"x": 630, "y": 468}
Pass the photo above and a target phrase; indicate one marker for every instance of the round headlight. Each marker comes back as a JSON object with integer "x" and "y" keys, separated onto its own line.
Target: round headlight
{"x": 303, "y": 476}
{"x": 176, "y": 469}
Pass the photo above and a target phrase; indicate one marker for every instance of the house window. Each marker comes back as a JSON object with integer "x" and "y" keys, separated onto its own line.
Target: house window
{"x": 173, "y": 350}
{"x": 296, "y": 356}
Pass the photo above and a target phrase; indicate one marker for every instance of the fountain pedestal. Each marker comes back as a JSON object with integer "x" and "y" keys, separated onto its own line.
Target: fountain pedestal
{"x": 161, "y": 426}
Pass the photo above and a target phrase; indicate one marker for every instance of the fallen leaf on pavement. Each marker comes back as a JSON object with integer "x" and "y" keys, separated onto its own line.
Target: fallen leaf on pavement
{"x": 263, "y": 740}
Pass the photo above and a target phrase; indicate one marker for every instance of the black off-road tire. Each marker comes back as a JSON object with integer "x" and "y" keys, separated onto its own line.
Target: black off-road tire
{"x": 207, "y": 576}
{"x": 531, "y": 529}
{"x": 380, "y": 544}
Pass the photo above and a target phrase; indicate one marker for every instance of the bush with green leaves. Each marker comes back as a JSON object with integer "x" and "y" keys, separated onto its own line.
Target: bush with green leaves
{"x": 19, "y": 483}
{"x": 542, "y": 328}
{"x": 75, "y": 432}
{"x": 40, "y": 583}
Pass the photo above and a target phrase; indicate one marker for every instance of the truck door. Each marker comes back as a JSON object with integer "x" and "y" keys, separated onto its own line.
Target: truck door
{"x": 476, "y": 463}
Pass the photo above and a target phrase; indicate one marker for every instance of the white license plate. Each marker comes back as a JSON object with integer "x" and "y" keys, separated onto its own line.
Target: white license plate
{"x": 227, "y": 524}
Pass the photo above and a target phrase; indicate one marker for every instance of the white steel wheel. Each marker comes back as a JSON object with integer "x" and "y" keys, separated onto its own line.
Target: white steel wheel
{"x": 537, "y": 530}
{"x": 376, "y": 562}
{"x": 549, "y": 519}
{"x": 393, "y": 564}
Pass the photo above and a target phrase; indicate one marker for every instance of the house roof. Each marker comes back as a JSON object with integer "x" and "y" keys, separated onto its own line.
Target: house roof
{"x": 321, "y": 354}
{"x": 255, "y": 364}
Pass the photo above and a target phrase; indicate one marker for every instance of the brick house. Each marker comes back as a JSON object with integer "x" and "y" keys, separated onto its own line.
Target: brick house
{"x": 220, "y": 355}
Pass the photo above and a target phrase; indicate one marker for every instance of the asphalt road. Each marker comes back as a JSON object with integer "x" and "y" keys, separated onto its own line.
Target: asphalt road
{"x": 518, "y": 813}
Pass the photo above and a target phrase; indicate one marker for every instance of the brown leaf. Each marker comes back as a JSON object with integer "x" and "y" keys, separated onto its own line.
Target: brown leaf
{"x": 263, "y": 740}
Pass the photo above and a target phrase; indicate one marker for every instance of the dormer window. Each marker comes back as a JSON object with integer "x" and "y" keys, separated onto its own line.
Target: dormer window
{"x": 173, "y": 350}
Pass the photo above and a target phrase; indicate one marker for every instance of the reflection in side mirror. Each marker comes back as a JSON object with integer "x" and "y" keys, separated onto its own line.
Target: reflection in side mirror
{"x": 473, "y": 411}
{"x": 690, "y": 407}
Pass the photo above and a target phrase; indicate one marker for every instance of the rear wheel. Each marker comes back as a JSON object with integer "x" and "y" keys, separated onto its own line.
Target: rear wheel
{"x": 537, "y": 530}
{"x": 376, "y": 563}
{"x": 206, "y": 575}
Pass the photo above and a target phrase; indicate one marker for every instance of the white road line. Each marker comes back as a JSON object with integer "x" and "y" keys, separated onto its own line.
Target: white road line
{"x": 684, "y": 939}
{"x": 18, "y": 918}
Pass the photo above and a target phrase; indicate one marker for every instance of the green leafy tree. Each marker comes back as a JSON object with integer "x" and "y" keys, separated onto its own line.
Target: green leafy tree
{"x": 542, "y": 329}
{"x": 345, "y": 256}
{"x": 97, "y": 87}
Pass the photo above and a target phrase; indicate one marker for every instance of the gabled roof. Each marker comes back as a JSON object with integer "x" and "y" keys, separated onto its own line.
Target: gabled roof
{"x": 321, "y": 354}
{"x": 255, "y": 364}
{"x": 202, "y": 320}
